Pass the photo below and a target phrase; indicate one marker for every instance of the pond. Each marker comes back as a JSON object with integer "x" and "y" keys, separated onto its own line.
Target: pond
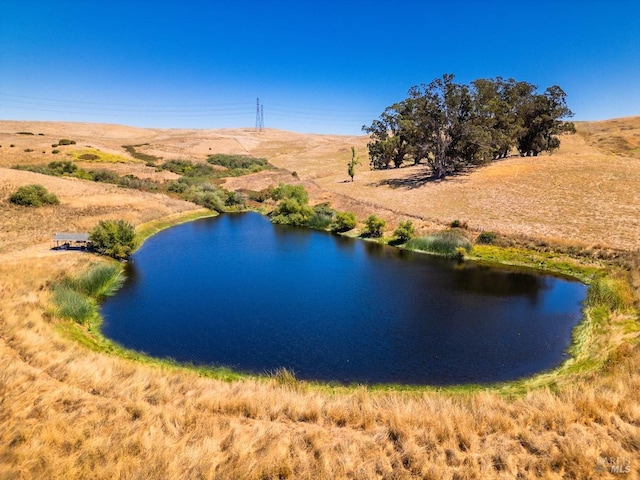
{"x": 237, "y": 291}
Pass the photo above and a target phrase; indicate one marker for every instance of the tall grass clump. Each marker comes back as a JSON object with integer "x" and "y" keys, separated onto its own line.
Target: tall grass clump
{"x": 73, "y": 305}
{"x": 448, "y": 244}
{"x": 99, "y": 282}
{"x": 611, "y": 292}
{"x": 76, "y": 297}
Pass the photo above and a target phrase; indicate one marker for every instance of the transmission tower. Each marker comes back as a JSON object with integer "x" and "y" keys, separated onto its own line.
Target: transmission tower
{"x": 259, "y": 116}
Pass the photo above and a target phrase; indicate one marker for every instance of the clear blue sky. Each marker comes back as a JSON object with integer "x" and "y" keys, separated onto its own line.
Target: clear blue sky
{"x": 317, "y": 66}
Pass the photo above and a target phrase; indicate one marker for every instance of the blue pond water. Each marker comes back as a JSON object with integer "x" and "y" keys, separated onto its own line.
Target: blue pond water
{"x": 237, "y": 291}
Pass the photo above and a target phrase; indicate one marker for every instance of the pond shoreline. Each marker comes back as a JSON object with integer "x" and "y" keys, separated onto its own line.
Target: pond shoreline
{"x": 580, "y": 360}
{"x": 542, "y": 378}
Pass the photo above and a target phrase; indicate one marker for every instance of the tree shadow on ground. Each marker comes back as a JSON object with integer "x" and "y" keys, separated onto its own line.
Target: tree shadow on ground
{"x": 419, "y": 179}
{"x": 414, "y": 180}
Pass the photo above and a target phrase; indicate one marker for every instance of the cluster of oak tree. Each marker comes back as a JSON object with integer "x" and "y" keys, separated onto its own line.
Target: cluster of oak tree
{"x": 452, "y": 126}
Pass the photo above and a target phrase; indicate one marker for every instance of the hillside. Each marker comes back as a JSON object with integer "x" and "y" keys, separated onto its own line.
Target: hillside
{"x": 568, "y": 195}
{"x": 68, "y": 412}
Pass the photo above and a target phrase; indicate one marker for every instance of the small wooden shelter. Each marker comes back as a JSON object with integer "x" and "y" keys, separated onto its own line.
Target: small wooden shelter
{"x": 64, "y": 241}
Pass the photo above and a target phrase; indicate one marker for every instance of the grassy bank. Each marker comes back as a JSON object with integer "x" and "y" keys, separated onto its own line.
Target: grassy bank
{"x": 146, "y": 230}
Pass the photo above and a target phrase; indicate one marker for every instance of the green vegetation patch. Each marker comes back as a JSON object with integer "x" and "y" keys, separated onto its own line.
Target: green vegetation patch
{"x": 290, "y": 211}
{"x": 344, "y": 221}
{"x": 322, "y": 218}
{"x": 373, "y": 226}
{"x": 239, "y": 162}
{"x": 114, "y": 238}
{"x": 449, "y": 243}
{"x": 33, "y": 196}
{"x": 612, "y": 292}
{"x": 145, "y": 157}
{"x": 99, "y": 282}
{"x": 188, "y": 168}
{"x": 405, "y": 231}
{"x": 549, "y": 261}
{"x": 75, "y": 298}
{"x": 73, "y": 305}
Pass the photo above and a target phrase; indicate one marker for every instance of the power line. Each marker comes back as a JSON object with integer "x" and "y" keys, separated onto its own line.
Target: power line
{"x": 279, "y": 113}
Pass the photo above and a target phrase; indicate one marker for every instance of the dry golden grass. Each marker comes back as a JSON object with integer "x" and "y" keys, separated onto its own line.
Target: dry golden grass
{"x": 67, "y": 412}
{"x": 71, "y": 413}
{"x": 82, "y": 205}
{"x": 620, "y": 136}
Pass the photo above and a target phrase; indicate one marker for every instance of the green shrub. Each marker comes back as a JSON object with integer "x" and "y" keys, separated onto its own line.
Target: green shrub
{"x": 405, "y": 231}
{"x": 291, "y": 212}
{"x": 55, "y": 151}
{"x": 344, "y": 222}
{"x": 322, "y": 217}
{"x": 61, "y": 168}
{"x": 33, "y": 196}
{"x": 293, "y": 208}
{"x": 24, "y": 133}
{"x": 104, "y": 176}
{"x": 261, "y": 195}
{"x": 373, "y": 226}
{"x": 187, "y": 168}
{"x": 233, "y": 162}
{"x": 206, "y": 196}
{"x": 486, "y": 238}
{"x": 66, "y": 141}
{"x": 115, "y": 238}
{"x": 177, "y": 166}
{"x": 28, "y": 150}
{"x": 459, "y": 224}
{"x": 234, "y": 199}
{"x": 445, "y": 243}
{"x": 284, "y": 191}
{"x": 131, "y": 181}
{"x": 459, "y": 253}
{"x": 177, "y": 187}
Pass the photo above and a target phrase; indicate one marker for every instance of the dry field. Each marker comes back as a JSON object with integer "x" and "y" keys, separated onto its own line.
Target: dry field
{"x": 67, "y": 412}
